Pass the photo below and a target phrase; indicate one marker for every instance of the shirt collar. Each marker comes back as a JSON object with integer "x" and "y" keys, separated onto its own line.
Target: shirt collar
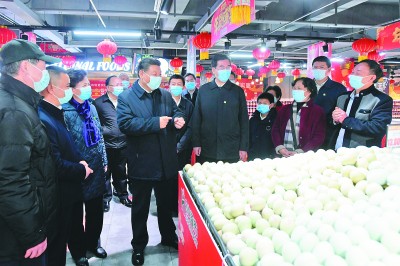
{"x": 227, "y": 85}
{"x": 320, "y": 86}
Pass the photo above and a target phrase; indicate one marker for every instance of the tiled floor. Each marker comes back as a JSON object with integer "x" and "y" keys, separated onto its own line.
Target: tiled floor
{"x": 116, "y": 240}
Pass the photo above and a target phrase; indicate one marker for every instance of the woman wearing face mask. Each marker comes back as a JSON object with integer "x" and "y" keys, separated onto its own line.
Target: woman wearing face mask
{"x": 83, "y": 123}
{"x": 300, "y": 126}
{"x": 260, "y": 144}
{"x": 277, "y": 93}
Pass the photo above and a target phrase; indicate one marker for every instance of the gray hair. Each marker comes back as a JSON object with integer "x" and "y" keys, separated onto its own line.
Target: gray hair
{"x": 147, "y": 62}
{"x": 13, "y": 68}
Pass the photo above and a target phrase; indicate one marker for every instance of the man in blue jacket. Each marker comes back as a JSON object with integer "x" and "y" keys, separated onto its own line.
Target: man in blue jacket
{"x": 149, "y": 117}
{"x": 71, "y": 169}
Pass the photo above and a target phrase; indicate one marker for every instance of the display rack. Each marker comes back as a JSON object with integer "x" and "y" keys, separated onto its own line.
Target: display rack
{"x": 396, "y": 109}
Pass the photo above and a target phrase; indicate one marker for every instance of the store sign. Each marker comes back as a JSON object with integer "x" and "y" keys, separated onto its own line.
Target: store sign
{"x": 99, "y": 66}
{"x": 388, "y": 37}
{"x": 393, "y": 136}
{"x": 52, "y": 48}
{"x": 221, "y": 21}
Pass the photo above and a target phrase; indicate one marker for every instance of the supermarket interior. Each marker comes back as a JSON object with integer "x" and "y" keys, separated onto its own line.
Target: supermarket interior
{"x": 200, "y": 132}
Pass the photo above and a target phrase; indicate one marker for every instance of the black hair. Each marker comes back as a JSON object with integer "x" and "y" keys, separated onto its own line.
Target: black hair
{"x": 276, "y": 89}
{"x": 190, "y": 74}
{"x": 76, "y": 76}
{"x": 374, "y": 68}
{"x": 108, "y": 80}
{"x": 323, "y": 59}
{"x": 266, "y": 95}
{"x": 219, "y": 57}
{"x": 233, "y": 73}
{"x": 309, "y": 84}
{"x": 176, "y": 76}
{"x": 147, "y": 62}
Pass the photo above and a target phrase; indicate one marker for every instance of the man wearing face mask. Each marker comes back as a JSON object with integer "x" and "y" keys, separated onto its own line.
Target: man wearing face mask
{"x": 115, "y": 142}
{"x": 232, "y": 77}
{"x": 28, "y": 192}
{"x": 328, "y": 92}
{"x": 364, "y": 113}
{"x": 220, "y": 121}
{"x": 125, "y": 80}
{"x": 149, "y": 117}
{"x": 191, "y": 90}
{"x": 70, "y": 166}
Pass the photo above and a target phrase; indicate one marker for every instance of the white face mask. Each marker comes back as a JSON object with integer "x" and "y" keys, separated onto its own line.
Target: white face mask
{"x": 155, "y": 82}
{"x": 319, "y": 74}
{"x": 42, "y": 84}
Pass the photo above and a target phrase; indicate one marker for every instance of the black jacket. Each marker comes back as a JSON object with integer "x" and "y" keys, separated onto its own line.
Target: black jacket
{"x": 151, "y": 150}
{"x": 186, "y": 94}
{"x": 184, "y": 135}
{"x": 70, "y": 173}
{"x": 220, "y": 121}
{"x": 28, "y": 189}
{"x": 113, "y": 137}
{"x": 260, "y": 144}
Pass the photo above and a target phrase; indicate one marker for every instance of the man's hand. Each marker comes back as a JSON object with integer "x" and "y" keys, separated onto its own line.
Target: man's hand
{"x": 164, "y": 121}
{"x": 179, "y": 122}
{"x": 285, "y": 153}
{"x": 87, "y": 168}
{"x": 197, "y": 151}
{"x": 105, "y": 169}
{"x": 243, "y": 155}
{"x": 36, "y": 251}
{"x": 338, "y": 115}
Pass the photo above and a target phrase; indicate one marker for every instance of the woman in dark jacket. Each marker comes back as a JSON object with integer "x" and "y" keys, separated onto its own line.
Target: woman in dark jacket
{"x": 82, "y": 121}
{"x": 260, "y": 144}
{"x": 277, "y": 93}
{"x": 300, "y": 126}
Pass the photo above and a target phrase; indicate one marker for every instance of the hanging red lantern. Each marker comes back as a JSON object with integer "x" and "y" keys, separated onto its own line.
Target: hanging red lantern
{"x": 239, "y": 72}
{"x": 250, "y": 73}
{"x": 261, "y": 76}
{"x": 176, "y": 63}
{"x": 261, "y": 54}
{"x": 199, "y": 69}
{"x": 296, "y": 73}
{"x": 274, "y": 66}
{"x": 68, "y": 60}
{"x": 233, "y": 67}
{"x": 281, "y": 75}
{"x": 374, "y": 55}
{"x": 202, "y": 42}
{"x": 107, "y": 48}
{"x": 6, "y": 35}
{"x": 363, "y": 46}
{"x": 208, "y": 75}
{"x": 120, "y": 60}
{"x": 240, "y": 12}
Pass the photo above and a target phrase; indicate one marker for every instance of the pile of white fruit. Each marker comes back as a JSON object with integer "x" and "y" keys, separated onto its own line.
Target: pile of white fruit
{"x": 321, "y": 208}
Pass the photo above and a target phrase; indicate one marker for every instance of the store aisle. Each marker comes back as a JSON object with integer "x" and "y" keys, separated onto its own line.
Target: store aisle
{"x": 116, "y": 240}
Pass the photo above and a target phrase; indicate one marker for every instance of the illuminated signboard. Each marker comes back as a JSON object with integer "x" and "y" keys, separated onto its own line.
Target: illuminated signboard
{"x": 99, "y": 66}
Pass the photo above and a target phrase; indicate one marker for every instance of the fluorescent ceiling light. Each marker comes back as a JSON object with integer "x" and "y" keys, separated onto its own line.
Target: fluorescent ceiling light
{"x": 107, "y": 33}
{"x": 255, "y": 65}
{"x": 337, "y": 60}
{"x": 241, "y": 55}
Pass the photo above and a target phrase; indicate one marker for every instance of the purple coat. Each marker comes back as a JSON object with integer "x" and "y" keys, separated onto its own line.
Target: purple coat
{"x": 312, "y": 126}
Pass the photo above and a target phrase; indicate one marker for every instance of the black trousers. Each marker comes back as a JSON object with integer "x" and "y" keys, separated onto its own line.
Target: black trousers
{"x": 203, "y": 159}
{"x": 141, "y": 194}
{"x": 83, "y": 239}
{"x": 39, "y": 261}
{"x": 117, "y": 159}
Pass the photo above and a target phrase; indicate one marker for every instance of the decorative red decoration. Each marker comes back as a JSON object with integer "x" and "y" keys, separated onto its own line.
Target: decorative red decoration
{"x": 233, "y": 67}
{"x": 107, "y": 48}
{"x": 374, "y": 55}
{"x": 296, "y": 73}
{"x": 208, "y": 75}
{"x": 274, "y": 66}
{"x": 199, "y": 69}
{"x": 363, "y": 46}
{"x": 120, "y": 60}
{"x": 239, "y": 72}
{"x": 261, "y": 54}
{"x": 250, "y": 73}
{"x": 392, "y": 81}
{"x": 281, "y": 75}
{"x": 202, "y": 42}
{"x": 176, "y": 63}
{"x": 68, "y": 60}
{"x": 6, "y": 35}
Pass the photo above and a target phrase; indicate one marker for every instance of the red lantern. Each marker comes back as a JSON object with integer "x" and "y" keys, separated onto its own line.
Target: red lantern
{"x": 6, "y": 35}
{"x": 107, "y": 48}
{"x": 120, "y": 60}
{"x": 363, "y": 46}
{"x": 240, "y": 12}
{"x": 281, "y": 75}
{"x": 208, "y": 75}
{"x": 199, "y": 69}
{"x": 261, "y": 54}
{"x": 176, "y": 63}
{"x": 250, "y": 73}
{"x": 374, "y": 55}
{"x": 296, "y": 73}
{"x": 274, "y": 66}
{"x": 392, "y": 81}
{"x": 233, "y": 67}
{"x": 68, "y": 60}
{"x": 203, "y": 42}
{"x": 239, "y": 72}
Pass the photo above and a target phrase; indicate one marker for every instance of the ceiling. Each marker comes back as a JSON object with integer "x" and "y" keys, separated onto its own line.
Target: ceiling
{"x": 294, "y": 24}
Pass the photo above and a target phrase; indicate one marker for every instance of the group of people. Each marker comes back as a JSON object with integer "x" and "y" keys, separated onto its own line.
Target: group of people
{"x": 59, "y": 148}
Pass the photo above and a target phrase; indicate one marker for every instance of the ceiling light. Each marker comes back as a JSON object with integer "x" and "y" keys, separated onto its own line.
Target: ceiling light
{"x": 325, "y": 48}
{"x": 165, "y": 7}
{"x": 337, "y": 60}
{"x": 255, "y": 65}
{"x": 241, "y": 55}
{"x": 157, "y": 33}
{"x": 227, "y": 44}
{"x": 278, "y": 46}
{"x": 263, "y": 46}
{"x": 107, "y": 33}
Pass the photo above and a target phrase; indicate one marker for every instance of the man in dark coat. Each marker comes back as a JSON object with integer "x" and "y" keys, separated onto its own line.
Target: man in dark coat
{"x": 328, "y": 93}
{"x": 70, "y": 167}
{"x": 191, "y": 91}
{"x": 149, "y": 117}
{"x": 220, "y": 121}
{"x": 28, "y": 191}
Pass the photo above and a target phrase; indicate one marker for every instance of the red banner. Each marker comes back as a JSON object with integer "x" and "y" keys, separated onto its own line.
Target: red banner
{"x": 252, "y": 88}
{"x": 196, "y": 245}
{"x": 52, "y": 48}
{"x": 388, "y": 37}
{"x": 98, "y": 87}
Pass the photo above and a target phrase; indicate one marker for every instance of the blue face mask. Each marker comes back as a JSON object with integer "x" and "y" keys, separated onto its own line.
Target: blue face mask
{"x": 42, "y": 84}
{"x": 86, "y": 93}
{"x": 125, "y": 84}
{"x": 118, "y": 90}
{"x": 263, "y": 108}
{"x": 298, "y": 95}
{"x": 319, "y": 74}
{"x": 223, "y": 75}
{"x": 67, "y": 95}
{"x": 356, "y": 82}
{"x": 176, "y": 90}
{"x": 190, "y": 85}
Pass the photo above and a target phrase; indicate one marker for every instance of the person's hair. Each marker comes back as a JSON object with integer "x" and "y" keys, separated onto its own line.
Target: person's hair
{"x": 108, "y": 80}
{"x": 218, "y": 57}
{"x": 374, "y": 68}
{"x": 55, "y": 72}
{"x": 147, "y": 62}
{"x": 323, "y": 59}
{"x": 266, "y": 95}
{"x": 309, "y": 84}
{"x": 176, "y": 76}
{"x": 123, "y": 74}
{"x": 13, "y": 68}
{"x": 190, "y": 74}
{"x": 276, "y": 89}
{"x": 76, "y": 76}
{"x": 233, "y": 73}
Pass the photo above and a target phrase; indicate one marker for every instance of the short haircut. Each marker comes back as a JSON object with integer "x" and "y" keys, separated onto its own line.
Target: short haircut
{"x": 76, "y": 76}
{"x": 190, "y": 74}
{"x": 276, "y": 89}
{"x": 55, "y": 72}
{"x": 13, "y": 68}
{"x": 309, "y": 84}
{"x": 374, "y": 68}
{"x": 323, "y": 59}
{"x": 218, "y": 57}
{"x": 108, "y": 80}
{"x": 147, "y": 62}
{"x": 233, "y": 73}
{"x": 123, "y": 74}
{"x": 266, "y": 95}
{"x": 176, "y": 76}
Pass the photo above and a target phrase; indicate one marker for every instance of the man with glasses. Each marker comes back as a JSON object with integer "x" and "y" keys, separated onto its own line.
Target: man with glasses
{"x": 220, "y": 121}
{"x": 115, "y": 142}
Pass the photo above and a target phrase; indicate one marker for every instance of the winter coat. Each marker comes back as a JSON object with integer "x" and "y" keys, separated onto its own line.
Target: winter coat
{"x": 260, "y": 143}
